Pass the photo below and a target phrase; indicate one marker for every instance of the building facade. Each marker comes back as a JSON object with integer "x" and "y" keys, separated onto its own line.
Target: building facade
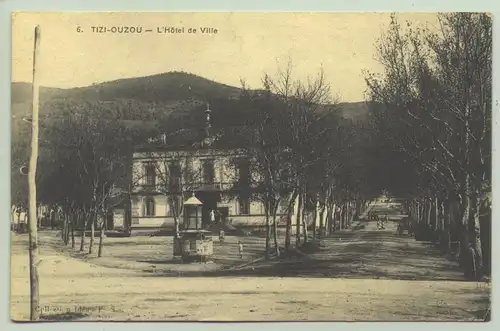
{"x": 164, "y": 177}
{"x": 163, "y": 180}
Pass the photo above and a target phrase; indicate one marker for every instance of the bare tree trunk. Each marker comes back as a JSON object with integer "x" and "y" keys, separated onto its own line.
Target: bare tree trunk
{"x": 175, "y": 208}
{"x": 464, "y": 235}
{"x": 429, "y": 214}
{"x": 476, "y": 235}
{"x": 352, "y": 211}
{"x": 82, "y": 238}
{"x": 86, "y": 219}
{"x": 329, "y": 219}
{"x": 288, "y": 230}
{"x": 101, "y": 239}
{"x": 322, "y": 221}
{"x": 275, "y": 234}
{"x": 438, "y": 225}
{"x": 92, "y": 232}
{"x": 63, "y": 230}
{"x": 66, "y": 229}
{"x": 418, "y": 211}
{"x": 128, "y": 216}
{"x": 268, "y": 232}
{"x": 341, "y": 217}
{"x": 446, "y": 225}
{"x": 359, "y": 209}
{"x": 73, "y": 234}
{"x": 33, "y": 231}
{"x": 290, "y": 210}
{"x": 176, "y": 227}
{"x": 315, "y": 219}
{"x": 304, "y": 220}
{"x": 348, "y": 214}
{"x": 298, "y": 225}
{"x": 333, "y": 224}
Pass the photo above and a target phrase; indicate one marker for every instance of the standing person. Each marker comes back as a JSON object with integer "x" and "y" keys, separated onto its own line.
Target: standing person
{"x": 212, "y": 216}
{"x": 240, "y": 249}
{"x": 52, "y": 218}
{"x": 20, "y": 215}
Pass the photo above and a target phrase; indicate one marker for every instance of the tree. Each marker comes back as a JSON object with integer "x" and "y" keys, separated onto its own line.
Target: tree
{"x": 266, "y": 158}
{"x": 286, "y": 141}
{"x": 436, "y": 89}
{"x": 90, "y": 152}
{"x": 176, "y": 177}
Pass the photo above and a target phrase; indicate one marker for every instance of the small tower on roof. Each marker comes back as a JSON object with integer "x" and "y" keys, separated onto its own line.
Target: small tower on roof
{"x": 208, "y": 139}
{"x": 208, "y": 120}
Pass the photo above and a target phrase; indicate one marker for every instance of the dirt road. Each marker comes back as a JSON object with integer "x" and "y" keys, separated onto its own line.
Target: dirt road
{"x": 366, "y": 274}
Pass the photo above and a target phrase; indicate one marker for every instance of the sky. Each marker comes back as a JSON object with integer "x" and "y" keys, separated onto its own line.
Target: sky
{"x": 246, "y": 46}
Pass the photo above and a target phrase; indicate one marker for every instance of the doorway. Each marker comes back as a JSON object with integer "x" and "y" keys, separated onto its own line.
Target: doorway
{"x": 223, "y": 214}
{"x": 209, "y": 200}
{"x": 110, "y": 225}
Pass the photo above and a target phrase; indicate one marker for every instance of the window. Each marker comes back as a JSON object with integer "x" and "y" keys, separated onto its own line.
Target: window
{"x": 149, "y": 207}
{"x": 189, "y": 171}
{"x": 175, "y": 177}
{"x": 150, "y": 172}
{"x": 208, "y": 172}
{"x": 244, "y": 205}
{"x": 244, "y": 173}
{"x": 192, "y": 218}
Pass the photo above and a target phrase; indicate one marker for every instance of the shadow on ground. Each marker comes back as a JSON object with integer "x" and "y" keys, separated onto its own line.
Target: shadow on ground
{"x": 364, "y": 254}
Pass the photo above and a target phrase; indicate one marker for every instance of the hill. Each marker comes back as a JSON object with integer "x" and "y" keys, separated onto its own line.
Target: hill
{"x": 158, "y": 88}
{"x": 170, "y": 92}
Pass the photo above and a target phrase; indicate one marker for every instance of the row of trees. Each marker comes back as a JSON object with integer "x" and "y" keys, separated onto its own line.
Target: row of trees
{"x": 432, "y": 110}
{"x": 83, "y": 168}
{"x": 306, "y": 157}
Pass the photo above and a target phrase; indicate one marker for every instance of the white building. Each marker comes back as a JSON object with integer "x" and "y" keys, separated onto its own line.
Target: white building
{"x": 164, "y": 177}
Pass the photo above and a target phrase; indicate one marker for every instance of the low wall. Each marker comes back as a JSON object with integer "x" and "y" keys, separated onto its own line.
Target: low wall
{"x": 238, "y": 221}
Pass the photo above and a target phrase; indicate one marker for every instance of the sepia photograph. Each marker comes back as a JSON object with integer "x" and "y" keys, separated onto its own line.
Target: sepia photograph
{"x": 251, "y": 166}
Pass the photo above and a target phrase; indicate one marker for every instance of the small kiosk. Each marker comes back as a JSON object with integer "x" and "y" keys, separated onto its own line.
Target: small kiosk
{"x": 193, "y": 243}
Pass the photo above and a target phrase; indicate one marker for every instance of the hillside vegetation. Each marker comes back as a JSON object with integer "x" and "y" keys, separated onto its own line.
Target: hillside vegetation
{"x": 142, "y": 98}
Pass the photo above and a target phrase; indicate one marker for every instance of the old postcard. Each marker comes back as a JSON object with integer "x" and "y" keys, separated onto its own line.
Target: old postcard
{"x": 251, "y": 166}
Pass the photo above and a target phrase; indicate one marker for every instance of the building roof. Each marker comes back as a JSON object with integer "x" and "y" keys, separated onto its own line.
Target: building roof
{"x": 193, "y": 201}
